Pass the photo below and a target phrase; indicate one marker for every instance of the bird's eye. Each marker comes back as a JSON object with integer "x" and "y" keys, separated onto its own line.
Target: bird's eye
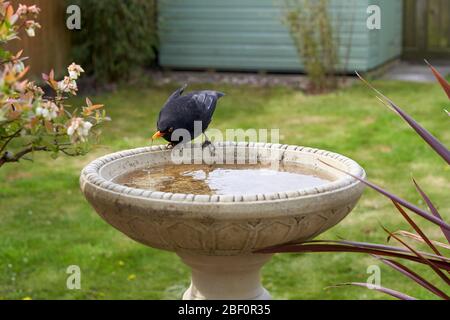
{"x": 170, "y": 130}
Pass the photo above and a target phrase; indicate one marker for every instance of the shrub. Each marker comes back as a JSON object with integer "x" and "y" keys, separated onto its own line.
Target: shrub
{"x": 116, "y": 37}
{"x": 31, "y": 120}
{"x": 315, "y": 32}
{"x": 435, "y": 257}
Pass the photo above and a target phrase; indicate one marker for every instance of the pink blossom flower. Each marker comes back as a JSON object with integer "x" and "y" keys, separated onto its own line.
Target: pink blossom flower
{"x": 34, "y": 9}
{"x": 79, "y": 129}
{"x": 48, "y": 110}
{"x": 30, "y": 27}
{"x": 75, "y": 71}
{"x": 22, "y": 10}
{"x": 68, "y": 85}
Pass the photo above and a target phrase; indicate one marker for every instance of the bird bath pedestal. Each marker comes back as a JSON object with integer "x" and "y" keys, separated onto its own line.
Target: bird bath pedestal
{"x": 216, "y": 236}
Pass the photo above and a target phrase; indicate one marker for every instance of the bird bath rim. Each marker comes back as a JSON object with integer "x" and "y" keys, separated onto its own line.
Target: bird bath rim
{"x": 92, "y": 174}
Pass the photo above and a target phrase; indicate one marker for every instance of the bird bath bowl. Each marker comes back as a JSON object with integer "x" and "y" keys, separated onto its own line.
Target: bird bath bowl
{"x": 217, "y": 235}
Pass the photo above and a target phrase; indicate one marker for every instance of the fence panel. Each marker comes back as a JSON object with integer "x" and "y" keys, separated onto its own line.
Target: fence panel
{"x": 51, "y": 46}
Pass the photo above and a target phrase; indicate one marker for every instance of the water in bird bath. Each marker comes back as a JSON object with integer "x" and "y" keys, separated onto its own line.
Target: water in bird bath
{"x": 223, "y": 179}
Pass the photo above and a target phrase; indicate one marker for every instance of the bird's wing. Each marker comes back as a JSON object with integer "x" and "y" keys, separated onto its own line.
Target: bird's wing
{"x": 173, "y": 103}
{"x": 177, "y": 93}
{"x": 180, "y": 111}
{"x": 205, "y": 102}
{"x": 185, "y": 109}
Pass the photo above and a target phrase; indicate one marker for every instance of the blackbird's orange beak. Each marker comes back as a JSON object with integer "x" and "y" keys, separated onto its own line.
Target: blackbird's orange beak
{"x": 157, "y": 135}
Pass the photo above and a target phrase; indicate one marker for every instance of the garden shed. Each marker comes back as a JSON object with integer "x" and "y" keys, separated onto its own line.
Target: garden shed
{"x": 250, "y": 35}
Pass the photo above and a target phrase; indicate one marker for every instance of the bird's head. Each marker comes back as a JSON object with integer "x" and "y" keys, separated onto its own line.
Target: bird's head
{"x": 164, "y": 132}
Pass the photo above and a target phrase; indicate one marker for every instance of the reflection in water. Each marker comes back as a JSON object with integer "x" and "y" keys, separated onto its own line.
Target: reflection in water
{"x": 222, "y": 179}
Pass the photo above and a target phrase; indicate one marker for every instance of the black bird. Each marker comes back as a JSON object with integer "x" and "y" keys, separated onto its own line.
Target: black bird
{"x": 181, "y": 111}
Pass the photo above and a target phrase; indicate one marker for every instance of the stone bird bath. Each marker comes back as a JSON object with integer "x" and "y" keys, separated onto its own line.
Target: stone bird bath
{"x": 217, "y": 235}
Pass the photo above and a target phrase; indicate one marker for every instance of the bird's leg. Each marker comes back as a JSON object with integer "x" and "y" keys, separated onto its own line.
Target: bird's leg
{"x": 170, "y": 145}
{"x": 208, "y": 143}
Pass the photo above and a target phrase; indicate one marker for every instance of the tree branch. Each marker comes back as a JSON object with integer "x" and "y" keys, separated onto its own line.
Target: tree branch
{"x": 8, "y": 157}
{"x": 9, "y": 138}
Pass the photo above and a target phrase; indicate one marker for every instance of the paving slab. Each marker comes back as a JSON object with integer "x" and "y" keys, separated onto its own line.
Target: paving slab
{"x": 415, "y": 72}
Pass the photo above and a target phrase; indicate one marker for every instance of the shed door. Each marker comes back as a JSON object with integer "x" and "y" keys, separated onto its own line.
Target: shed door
{"x": 426, "y": 29}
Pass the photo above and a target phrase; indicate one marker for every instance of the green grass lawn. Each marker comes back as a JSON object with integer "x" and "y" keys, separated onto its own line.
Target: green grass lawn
{"x": 46, "y": 224}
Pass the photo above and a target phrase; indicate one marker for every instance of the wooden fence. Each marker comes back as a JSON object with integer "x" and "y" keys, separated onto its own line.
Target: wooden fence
{"x": 426, "y": 29}
{"x": 51, "y": 46}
